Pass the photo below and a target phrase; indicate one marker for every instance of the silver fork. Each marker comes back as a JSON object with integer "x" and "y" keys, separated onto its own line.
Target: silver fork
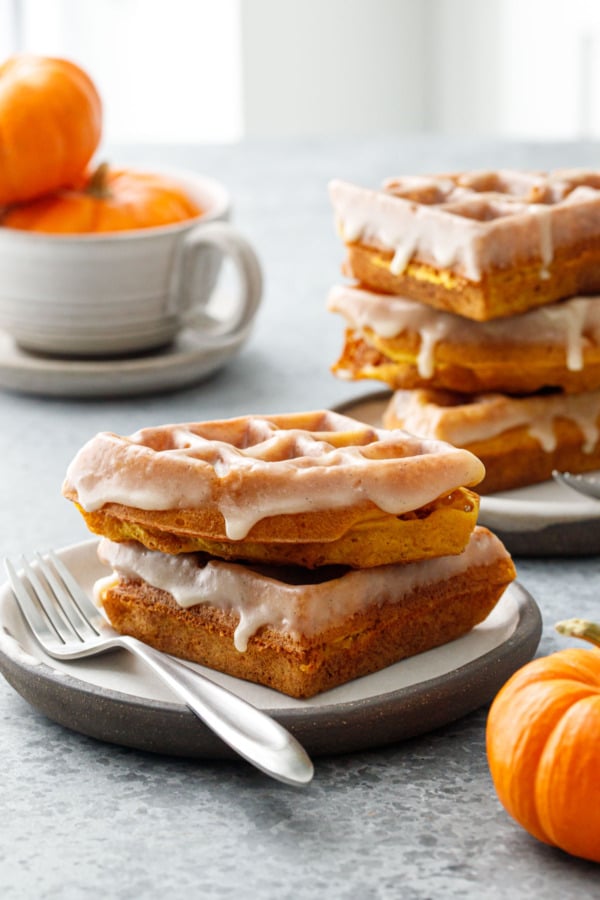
{"x": 583, "y": 484}
{"x": 68, "y": 625}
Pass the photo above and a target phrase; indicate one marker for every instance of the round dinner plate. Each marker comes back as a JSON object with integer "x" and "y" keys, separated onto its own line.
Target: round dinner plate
{"x": 114, "y": 698}
{"x": 547, "y": 519}
{"x": 195, "y": 354}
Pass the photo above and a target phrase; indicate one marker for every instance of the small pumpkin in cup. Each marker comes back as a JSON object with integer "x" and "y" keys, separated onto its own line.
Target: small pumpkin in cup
{"x": 109, "y": 200}
{"x": 51, "y": 117}
{"x": 543, "y": 745}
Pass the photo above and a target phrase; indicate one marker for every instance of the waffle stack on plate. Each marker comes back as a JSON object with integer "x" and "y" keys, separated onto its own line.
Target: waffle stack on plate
{"x": 298, "y": 551}
{"x": 474, "y": 299}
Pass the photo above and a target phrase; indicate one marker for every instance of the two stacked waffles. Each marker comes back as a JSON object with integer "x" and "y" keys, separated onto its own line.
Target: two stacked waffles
{"x": 297, "y": 551}
{"x": 474, "y": 300}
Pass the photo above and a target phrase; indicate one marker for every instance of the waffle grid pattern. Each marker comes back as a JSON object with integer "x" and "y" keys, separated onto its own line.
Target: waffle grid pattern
{"x": 487, "y": 196}
{"x": 322, "y": 438}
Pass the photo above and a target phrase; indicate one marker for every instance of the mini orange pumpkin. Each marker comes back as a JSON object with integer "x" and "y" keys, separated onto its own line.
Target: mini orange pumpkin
{"x": 111, "y": 200}
{"x": 543, "y": 745}
{"x": 51, "y": 118}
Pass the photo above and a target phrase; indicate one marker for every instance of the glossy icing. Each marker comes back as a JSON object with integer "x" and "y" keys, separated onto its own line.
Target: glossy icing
{"x": 254, "y": 467}
{"x": 572, "y": 324}
{"x": 277, "y": 600}
{"x": 472, "y": 221}
{"x": 489, "y": 415}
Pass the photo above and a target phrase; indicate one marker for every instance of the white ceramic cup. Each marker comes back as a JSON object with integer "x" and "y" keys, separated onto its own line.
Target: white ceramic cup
{"x": 113, "y": 294}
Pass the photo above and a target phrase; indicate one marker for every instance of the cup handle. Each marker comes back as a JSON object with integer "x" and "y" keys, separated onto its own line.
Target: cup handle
{"x": 229, "y": 242}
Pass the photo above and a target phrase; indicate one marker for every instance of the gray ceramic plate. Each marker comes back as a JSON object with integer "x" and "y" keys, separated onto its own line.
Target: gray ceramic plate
{"x": 545, "y": 519}
{"x": 114, "y": 698}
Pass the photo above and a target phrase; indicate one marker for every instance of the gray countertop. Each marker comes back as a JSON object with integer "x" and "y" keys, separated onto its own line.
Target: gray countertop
{"x": 415, "y": 820}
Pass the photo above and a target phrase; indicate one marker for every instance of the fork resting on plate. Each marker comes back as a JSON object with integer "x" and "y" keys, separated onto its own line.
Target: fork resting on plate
{"x": 67, "y": 625}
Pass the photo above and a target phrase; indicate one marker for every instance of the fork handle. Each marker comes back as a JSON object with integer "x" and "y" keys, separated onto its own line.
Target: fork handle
{"x": 250, "y": 732}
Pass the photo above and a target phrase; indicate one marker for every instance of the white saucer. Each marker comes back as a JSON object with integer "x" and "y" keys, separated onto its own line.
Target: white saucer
{"x": 194, "y": 355}
{"x": 545, "y": 519}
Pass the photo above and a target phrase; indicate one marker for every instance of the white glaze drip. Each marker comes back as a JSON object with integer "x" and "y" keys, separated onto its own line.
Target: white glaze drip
{"x": 572, "y": 324}
{"x": 404, "y": 250}
{"x": 274, "y": 471}
{"x": 473, "y": 221}
{"x": 392, "y": 223}
{"x": 296, "y": 609}
{"x": 489, "y": 415}
{"x": 542, "y": 431}
{"x": 426, "y": 356}
{"x": 544, "y": 217}
{"x": 575, "y": 318}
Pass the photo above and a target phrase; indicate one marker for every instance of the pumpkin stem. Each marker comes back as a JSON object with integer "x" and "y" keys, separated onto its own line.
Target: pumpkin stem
{"x": 97, "y": 186}
{"x": 580, "y": 628}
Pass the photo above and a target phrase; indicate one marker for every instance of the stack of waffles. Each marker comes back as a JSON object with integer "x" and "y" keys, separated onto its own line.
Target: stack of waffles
{"x": 298, "y": 551}
{"x": 473, "y": 298}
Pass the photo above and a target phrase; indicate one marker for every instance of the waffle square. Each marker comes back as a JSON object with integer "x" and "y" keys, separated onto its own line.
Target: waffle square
{"x": 520, "y": 440}
{"x": 309, "y": 488}
{"x": 406, "y": 344}
{"x": 482, "y": 244}
{"x": 296, "y": 632}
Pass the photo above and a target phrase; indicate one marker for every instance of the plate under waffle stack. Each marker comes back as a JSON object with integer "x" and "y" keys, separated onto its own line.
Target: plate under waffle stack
{"x": 474, "y": 299}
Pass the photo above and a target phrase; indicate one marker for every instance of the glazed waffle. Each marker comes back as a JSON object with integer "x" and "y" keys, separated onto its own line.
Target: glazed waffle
{"x": 481, "y": 244}
{"x": 520, "y": 440}
{"x": 407, "y": 344}
{"x": 298, "y": 632}
{"x": 308, "y": 488}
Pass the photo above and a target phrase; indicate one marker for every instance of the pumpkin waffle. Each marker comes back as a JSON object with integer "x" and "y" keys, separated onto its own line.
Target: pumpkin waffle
{"x": 297, "y": 631}
{"x": 480, "y": 244}
{"x": 309, "y": 488}
{"x": 520, "y": 440}
{"x": 407, "y": 344}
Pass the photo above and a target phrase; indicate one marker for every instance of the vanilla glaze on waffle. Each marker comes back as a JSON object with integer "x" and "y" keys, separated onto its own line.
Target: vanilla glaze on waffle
{"x": 283, "y": 598}
{"x": 573, "y": 325}
{"x": 472, "y": 221}
{"x": 253, "y": 467}
{"x": 466, "y": 420}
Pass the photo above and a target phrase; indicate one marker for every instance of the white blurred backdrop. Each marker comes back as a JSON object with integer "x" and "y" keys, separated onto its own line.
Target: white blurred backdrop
{"x": 213, "y": 71}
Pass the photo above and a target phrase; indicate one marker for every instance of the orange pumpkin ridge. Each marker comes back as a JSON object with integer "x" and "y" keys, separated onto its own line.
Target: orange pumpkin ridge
{"x": 543, "y": 740}
{"x": 570, "y": 815}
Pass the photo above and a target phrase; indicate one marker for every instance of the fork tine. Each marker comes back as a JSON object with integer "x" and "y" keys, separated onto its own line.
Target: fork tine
{"x": 68, "y": 604}
{"x": 49, "y": 604}
{"x": 40, "y": 625}
{"x": 87, "y": 608}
